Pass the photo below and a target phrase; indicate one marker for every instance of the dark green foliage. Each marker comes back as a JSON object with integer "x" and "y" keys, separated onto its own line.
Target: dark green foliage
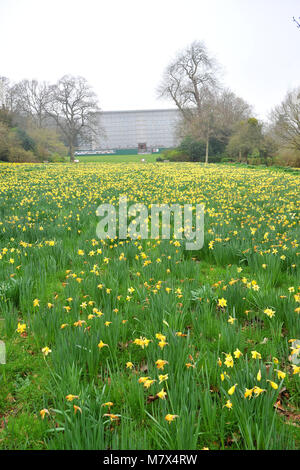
{"x": 175, "y": 156}
{"x": 195, "y": 149}
{"x": 25, "y": 140}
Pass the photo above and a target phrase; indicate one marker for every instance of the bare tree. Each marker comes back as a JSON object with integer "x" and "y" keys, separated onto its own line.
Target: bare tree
{"x": 73, "y": 106}
{"x": 32, "y": 98}
{"x": 221, "y": 111}
{"x": 229, "y": 110}
{"x": 4, "y": 85}
{"x": 201, "y": 123}
{"x": 191, "y": 82}
{"x": 8, "y": 98}
{"x": 286, "y": 121}
{"x": 297, "y": 22}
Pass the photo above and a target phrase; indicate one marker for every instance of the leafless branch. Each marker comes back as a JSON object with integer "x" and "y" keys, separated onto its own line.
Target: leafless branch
{"x": 297, "y": 22}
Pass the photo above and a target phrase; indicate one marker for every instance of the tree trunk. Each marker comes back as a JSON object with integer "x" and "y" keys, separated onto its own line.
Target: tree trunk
{"x": 71, "y": 152}
{"x": 240, "y": 156}
{"x": 207, "y": 147}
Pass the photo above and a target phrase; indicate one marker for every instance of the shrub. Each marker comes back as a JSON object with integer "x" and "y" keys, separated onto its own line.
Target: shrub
{"x": 25, "y": 140}
{"x": 165, "y": 155}
{"x": 288, "y": 157}
{"x": 48, "y": 144}
{"x": 56, "y": 158}
{"x": 227, "y": 160}
{"x": 178, "y": 156}
{"x": 215, "y": 158}
{"x": 3, "y": 142}
{"x": 194, "y": 149}
{"x": 175, "y": 156}
{"x": 19, "y": 155}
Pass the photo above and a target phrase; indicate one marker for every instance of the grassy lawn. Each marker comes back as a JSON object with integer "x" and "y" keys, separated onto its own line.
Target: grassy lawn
{"x": 117, "y": 158}
{"x": 141, "y": 344}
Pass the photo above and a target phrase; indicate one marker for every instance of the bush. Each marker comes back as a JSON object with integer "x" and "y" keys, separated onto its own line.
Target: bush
{"x": 178, "y": 156}
{"x": 165, "y": 155}
{"x": 175, "y": 156}
{"x": 4, "y": 142}
{"x": 19, "y": 155}
{"x": 215, "y": 158}
{"x": 288, "y": 158}
{"x": 194, "y": 149}
{"x": 255, "y": 161}
{"x": 227, "y": 160}
{"x": 48, "y": 144}
{"x": 56, "y": 158}
{"x": 25, "y": 140}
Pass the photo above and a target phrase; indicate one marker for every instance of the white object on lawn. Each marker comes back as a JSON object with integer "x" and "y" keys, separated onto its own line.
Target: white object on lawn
{"x": 2, "y": 353}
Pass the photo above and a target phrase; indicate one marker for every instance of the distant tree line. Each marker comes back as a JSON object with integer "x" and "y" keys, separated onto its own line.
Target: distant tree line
{"x": 217, "y": 125}
{"x": 40, "y": 121}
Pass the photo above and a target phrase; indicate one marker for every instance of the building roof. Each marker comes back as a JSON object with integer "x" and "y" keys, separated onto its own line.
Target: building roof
{"x": 139, "y": 111}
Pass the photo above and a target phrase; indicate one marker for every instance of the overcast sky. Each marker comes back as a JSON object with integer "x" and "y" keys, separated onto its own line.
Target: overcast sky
{"x": 122, "y": 46}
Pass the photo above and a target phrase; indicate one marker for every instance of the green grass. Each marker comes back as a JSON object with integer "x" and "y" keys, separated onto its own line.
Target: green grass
{"x": 23, "y": 385}
{"x": 116, "y": 158}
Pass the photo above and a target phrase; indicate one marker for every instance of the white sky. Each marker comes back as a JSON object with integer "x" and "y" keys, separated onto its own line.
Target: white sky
{"x": 122, "y": 46}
